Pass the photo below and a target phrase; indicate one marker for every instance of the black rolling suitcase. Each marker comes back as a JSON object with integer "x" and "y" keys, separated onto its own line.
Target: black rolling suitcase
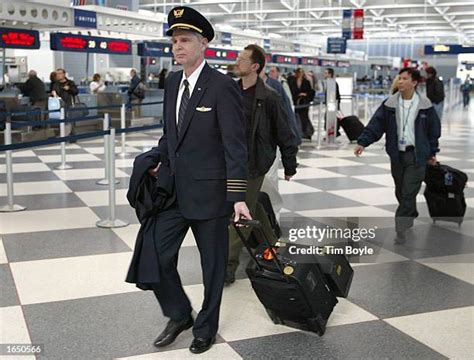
{"x": 294, "y": 294}
{"x": 444, "y": 193}
{"x": 352, "y": 126}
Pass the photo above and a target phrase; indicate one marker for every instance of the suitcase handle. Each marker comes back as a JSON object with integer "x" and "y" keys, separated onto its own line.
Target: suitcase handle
{"x": 255, "y": 224}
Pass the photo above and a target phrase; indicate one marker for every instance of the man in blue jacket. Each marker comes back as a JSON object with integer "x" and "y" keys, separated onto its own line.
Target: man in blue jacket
{"x": 412, "y": 129}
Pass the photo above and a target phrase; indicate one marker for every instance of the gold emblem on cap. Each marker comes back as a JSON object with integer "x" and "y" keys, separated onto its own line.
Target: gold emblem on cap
{"x": 178, "y": 13}
{"x": 288, "y": 270}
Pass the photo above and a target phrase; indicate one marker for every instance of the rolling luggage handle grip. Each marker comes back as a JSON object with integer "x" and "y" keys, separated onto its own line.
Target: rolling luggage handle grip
{"x": 256, "y": 225}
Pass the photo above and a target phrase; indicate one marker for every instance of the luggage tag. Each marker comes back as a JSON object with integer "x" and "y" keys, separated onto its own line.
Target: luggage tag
{"x": 402, "y": 144}
{"x": 451, "y": 195}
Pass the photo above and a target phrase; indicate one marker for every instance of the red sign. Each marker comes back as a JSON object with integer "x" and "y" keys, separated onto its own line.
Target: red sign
{"x": 358, "y": 30}
{"x": 220, "y": 54}
{"x": 94, "y": 44}
{"x": 19, "y": 39}
{"x": 71, "y": 42}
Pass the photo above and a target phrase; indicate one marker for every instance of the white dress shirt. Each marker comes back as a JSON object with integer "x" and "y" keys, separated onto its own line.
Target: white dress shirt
{"x": 407, "y": 111}
{"x": 192, "y": 80}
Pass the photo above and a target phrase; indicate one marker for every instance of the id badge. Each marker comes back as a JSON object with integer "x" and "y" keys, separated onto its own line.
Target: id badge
{"x": 402, "y": 144}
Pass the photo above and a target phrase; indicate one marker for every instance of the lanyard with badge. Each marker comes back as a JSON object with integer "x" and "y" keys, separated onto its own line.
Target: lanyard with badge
{"x": 402, "y": 142}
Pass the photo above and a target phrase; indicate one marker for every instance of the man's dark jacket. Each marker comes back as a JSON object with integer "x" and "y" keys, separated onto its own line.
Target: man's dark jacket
{"x": 66, "y": 95}
{"x": 384, "y": 121}
{"x": 435, "y": 90}
{"x": 208, "y": 156}
{"x": 270, "y": 128}
{"x": 147, "y": 202}
{"x": 34, "y": 89}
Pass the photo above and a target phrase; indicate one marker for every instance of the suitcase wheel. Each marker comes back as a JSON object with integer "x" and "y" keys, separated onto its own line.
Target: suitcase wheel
{"x": 276, "y": 320}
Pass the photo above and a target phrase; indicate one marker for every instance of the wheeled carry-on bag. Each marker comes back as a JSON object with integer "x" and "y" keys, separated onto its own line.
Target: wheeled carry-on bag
{"x": 444, "y": 193}
{"x": 352, "y": 126}
{"x": 294, "y": 294}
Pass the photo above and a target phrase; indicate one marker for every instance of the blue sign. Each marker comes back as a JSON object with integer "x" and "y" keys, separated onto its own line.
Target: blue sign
{"x": 226, "y": 38}
{"x": 448, "y": 49}
{"x": 297, "y": 48}
{"x": 165, "y": 28}
{"x": 347, "y": 24}
{"x": 154, "y": 49}
{"x": 266, "y": 44}
{"x": 85, "y": 18}
{"x": 336, "y": 46}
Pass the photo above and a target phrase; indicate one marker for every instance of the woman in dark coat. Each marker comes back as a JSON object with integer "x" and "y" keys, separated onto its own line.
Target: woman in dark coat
{"x": 303, "y": 94}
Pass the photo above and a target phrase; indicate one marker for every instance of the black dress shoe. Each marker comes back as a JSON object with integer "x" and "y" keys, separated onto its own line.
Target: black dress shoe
{"x": 200, "y": 345}
{"x": 172, "y": 330}
{"x": 229, "y": 277}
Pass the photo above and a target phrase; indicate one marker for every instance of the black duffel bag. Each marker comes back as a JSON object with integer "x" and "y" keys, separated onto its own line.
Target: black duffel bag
{"x": 77, "y": 109}
{"x": 444, "y": 179}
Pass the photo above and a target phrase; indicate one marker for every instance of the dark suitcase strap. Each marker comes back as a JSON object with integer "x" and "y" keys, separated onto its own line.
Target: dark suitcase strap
{"x": 257, "y": 226}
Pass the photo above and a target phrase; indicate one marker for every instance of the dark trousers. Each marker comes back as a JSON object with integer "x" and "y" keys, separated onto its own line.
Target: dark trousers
{"x": 212, "y": 241}
{"x": 408, "y": 177}
{"x": 465, "y": 98}
{"x": 306, "y": 125}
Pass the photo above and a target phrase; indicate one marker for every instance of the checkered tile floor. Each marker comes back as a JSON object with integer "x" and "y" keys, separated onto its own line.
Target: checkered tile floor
{"x": 62, "y": 279}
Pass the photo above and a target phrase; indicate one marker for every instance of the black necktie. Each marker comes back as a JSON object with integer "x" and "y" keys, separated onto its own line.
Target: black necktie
{"x": 183, "y": 105}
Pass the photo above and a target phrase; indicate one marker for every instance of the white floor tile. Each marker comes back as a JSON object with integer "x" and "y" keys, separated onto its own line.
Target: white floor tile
{"x": 328, "y": 162}
{"x": 25, "y": 168}
{"x": 140, "y": 144}
{"x": 470, "y": 202}
{"x": 44, "y": 220}
{"x": 466, "y": 228}
{"x": 84, "y": 174}
{"x": 459, "y": 266}
{"x": 381, "y": 179}
{"x": 128, "y": 234}
{"x": 349, "y": 152}
{"x": 356, "y": 211}
{"x": 118, "y": 149}
{"x": 122, "y": 163}
{"x": 101, "y": 197}
{"x": 381, "y": 256}
{"x": 69, "y": 158}
{"x": 450, "y": 332}
{"x": 3, "y": 255}
{"x": 385, "y": 166}
{"x": 13, "y": 329}
{"x": 58, "y": 147}
{"x": 36, "y": 188}
{"x": 291, "y": 187}
{"x": 443, "y": 158}
{"x": 217, "y": 352}
{"x": 374, "y": 196}
{"x": 72, "y": 278}
{"x": 312, "y": 173}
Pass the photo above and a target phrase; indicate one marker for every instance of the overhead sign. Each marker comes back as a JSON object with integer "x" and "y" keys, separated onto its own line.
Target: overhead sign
{"x": 220, "y": 54}
{"x": 309, "y": 61}
{"x": 297, "y": 47}
{"x": 226, "y": 38}
{"x": 328, "y": 63}
{"x": 92, "y": 44}
{"x": 266, "y": 44}
{"x": 85, "y": 18}
{"x": 19, "y": 39}
{"x": 451, "y": 49}
{"x": 285, "y": 59}
{"x": 347, "y": 23}
{"x": 358, "y": 29}
{"x": 154, "y": 49}
{"x": 343, "y": 64}
{"x": 336, "y": 45}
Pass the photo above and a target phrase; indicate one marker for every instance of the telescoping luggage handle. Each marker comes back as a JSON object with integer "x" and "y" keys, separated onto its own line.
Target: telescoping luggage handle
{"x": 255, "y": 224}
